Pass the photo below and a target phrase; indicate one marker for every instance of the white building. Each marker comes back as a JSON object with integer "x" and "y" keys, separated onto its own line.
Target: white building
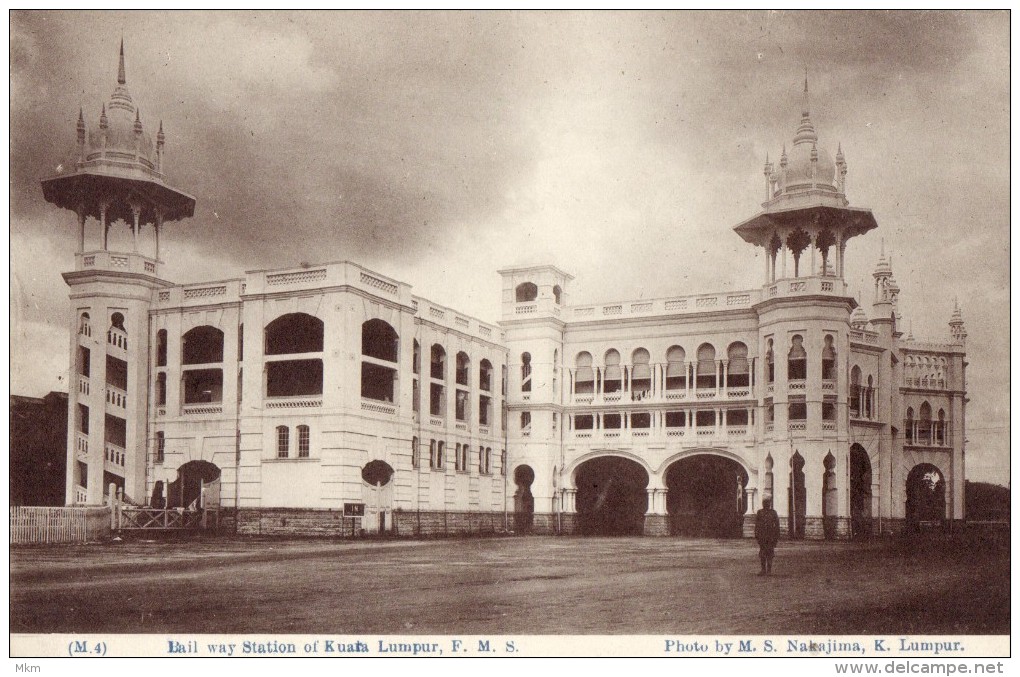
{"x": 298, "y": 392}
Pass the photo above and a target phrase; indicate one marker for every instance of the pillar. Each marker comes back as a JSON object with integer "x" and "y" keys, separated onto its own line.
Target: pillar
{"x": 105, "y": 226}
{"x": 813, "y": 245}
{"x": 81, "y": 228}
{"x": 136, "y": 212}
{"x": 158, "y": 225}
{"x": 725, "y": 372}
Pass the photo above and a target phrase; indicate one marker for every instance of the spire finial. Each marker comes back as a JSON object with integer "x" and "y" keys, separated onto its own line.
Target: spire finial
{"x": 807, "y": 107}
{"x": 121, "y": 79}
{"x": 103, "y": 122}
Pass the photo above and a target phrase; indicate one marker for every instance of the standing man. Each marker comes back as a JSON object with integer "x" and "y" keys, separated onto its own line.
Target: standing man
{"x": 766, "y": 532}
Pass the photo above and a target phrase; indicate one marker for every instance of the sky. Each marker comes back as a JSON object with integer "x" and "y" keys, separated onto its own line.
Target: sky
{"x": 438, "y": 148}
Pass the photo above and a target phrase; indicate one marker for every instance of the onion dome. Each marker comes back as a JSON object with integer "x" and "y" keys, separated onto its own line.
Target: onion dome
{"x": 120, "y": 135}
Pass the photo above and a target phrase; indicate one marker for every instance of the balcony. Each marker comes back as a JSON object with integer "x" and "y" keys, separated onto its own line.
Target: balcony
{"x": 205, "y": 408}
{"x": 654, "y": 396}
{"x": 128, "y": 262}
{"x": 116, "y": 398}
{"x": 378, "y": 407}
{"x": 81, "y": 447}
{"x": 83, "y": 385}
{"x": 692, "y": 436}
{"x": 114, "y": 458}
{"x": 81, "y": 495}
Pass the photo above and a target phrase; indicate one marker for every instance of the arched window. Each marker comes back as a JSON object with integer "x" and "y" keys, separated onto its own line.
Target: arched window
{"x": 829, "y": 359}
{"x": 282, "y": 441}
{"x": 161, "y": 348}
{"x": 462, "y": 405}
{"x": 304, "y": 441}
{"x": 416, "y": 357}
{"x": 612, "y": 379}
{"x": 438, "y": 364}
{"x": 437, "y": 391}
{"x": 869, "y": 399}
{"x": 706, "y": 366}
{"x": 526, "y": 291}
{"x": 525, "y": 372}
{"x": 84, "y": 328}
{"x": 584, "y": 375}
{"x": 525, "y": 421}
{"x": 161, "y": 389}
{"x": 485, "y": 376}
{"x": 738, "y": 371}
{"x": 641, "y": 375}
{"x": 379, "y": 340}
{"x": 908, "y": 426}
{"x": 463, "y": 369}
{"x": 557, "y": 294}
{"x": 924, "y": 424}
{"x": 676, "y": 369}
{"x": 160, "y": 446}
{"x": 117, "y": 322}
{"x": 855, "y": 392}
{"x": 293, "y": 334}
{"x": 797, "y": 359}
{"x": 202, "y": 345}
{"x": 770, "y": 363}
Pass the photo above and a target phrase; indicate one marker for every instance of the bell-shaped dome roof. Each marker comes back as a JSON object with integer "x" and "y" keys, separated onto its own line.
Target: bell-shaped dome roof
{"x": 859, "y": 317}
{"x": 120, "y": 132}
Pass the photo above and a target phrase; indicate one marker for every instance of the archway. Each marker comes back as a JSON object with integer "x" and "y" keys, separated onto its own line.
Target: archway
{"x": 611, "y": 497}
{"x": 186, "y": 490}
{"x": 524, "y": 501}
{"x": 377, "y": 493}
{"x": 926, "y": 495}
{"x": 705, "y": 496}
{"x": 860, "y": 492}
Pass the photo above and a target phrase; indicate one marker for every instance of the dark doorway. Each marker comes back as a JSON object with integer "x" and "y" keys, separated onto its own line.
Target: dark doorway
{"x": 926, "y": 495}
{"x": 860, "y": 492}
{"x": 524, "y": 501}
{"x": 611, "y": 497}
{"x": 705, "y": 497}
{"x": 187, "y": 488}
{"x": 797, "y": 497}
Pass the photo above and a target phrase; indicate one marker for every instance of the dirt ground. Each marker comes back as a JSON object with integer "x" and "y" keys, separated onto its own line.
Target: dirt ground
{"x": 521, "y": 585}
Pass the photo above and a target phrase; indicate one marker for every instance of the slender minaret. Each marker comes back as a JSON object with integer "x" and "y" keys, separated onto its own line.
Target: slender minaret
{"x": 117, "y": 178}
{"x": 956, "y": 328}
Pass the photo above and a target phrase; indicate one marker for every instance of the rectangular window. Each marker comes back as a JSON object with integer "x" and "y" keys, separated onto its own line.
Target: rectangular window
{"x": 457, "y": 464}
{"x": 304, "y": 441}
{"x": 675, "y": 419}
{"x": 415, "y": 453}
{"x": 736, "y": 417}
{"x": 161, "y": 388}
{"x": 83, "y": 418}
{"x": 203, "y": 386}
{"x": 437, "y": 400}
{"x": 84, "y": 361}
{"x": 160, "y": 447}
{"x": 293, "y": 378}
{"x": 484, "y": 410}
{"x": 462, "y": 405}
{"x": 432, "y": 454}
{"x": 555, "y": 422}
{"x": 282, "y": 442}
{"x": 377, "y": 382}
{"x": 828, "y": 411}
{"x": 612, "y": 421}
{"x": 584, "y": 422}
{"x": 415, "y": 396}
{"x": 704, "y": 419}
{"x": 798, "y": 410}
{"x": 440, "y": 452}
{"x": 641, "y": 420}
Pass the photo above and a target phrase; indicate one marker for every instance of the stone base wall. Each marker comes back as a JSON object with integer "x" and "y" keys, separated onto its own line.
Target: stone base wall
{"x": 815, "y": 528}
{"x": 332, "y": 523}
{"x": 656, "y": 525}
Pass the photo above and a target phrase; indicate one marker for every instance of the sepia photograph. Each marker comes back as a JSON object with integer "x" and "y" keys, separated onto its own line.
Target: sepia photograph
{"x": 510, "y": 333}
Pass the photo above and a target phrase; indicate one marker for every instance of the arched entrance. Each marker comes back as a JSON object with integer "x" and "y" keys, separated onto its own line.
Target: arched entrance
{"x": 611, "y": 497}
{"x": 377, "y": 492}
{"x": 860, "y": 492}
{"x": 926, "y": 495}
{"x": 705, "y": 496}
{"x": 797, "y": 496}
{"x": 524, "y": 501}
{"x": 186, "y": 490}
{"x": 830, "y": 497}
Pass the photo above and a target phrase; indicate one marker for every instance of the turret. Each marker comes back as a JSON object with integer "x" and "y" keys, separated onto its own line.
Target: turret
{"x": 81, "y": 134}
{"x": 956, "y": 329}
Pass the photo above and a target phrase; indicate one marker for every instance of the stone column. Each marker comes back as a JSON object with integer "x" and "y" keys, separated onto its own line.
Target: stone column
{"x": 105, "y": 226}
{"x": 136, "y": 212}
{"x": 81, "y": 228}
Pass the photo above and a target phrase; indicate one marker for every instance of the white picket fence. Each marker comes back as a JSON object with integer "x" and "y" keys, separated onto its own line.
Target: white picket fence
{"x": 59, "y": 524}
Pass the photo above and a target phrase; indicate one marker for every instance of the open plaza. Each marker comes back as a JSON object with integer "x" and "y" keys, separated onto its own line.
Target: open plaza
{"x": 931, "y": 585}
